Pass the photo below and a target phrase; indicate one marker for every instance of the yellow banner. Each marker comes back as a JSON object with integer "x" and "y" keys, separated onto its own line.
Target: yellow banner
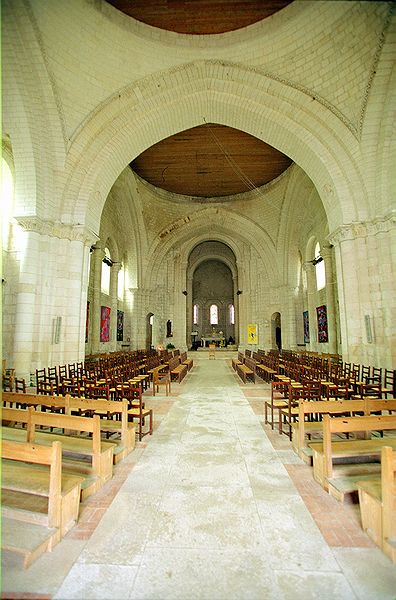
{"x": 252, "y": 334}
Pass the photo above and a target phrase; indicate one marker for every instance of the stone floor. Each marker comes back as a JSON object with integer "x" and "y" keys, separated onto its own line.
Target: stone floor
{"x": 213, "y": 506}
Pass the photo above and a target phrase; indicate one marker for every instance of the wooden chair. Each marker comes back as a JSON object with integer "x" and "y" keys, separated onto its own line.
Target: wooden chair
{"x": 8, "y": 379}
{"x": 62, "y": 373}
{"x": 389, "y": 383}
{"x": 279, "y": 395}
{"x": 140, "y": 413}
{"x": 289, "y": 414}
{"x": 101, "y": 392}
{"x": 161, "y": 379}
{"x": 212, "y": 351}
{"x": 376, "y": 375}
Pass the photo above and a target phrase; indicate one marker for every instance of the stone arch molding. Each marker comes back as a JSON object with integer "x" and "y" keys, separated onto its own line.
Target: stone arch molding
{"x": 212, "y": 223}
{"x": 244, "y": 98}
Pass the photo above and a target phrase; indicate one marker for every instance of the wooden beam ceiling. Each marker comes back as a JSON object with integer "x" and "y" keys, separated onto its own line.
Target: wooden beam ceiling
{"x": 210, "y": 161}
{"x": 199, "y": 17}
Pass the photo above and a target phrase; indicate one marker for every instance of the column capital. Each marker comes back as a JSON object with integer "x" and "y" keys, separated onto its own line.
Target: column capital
{"x": 73, "y": 233}
{"x": 361, "y": 229}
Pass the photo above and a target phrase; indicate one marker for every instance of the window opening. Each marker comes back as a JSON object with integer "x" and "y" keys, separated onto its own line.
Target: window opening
{"x": 195, "y": 314}
{"x": 214, "y": 315}
{"x": 232, "y": 314}
{"x": 106, "y": 267}
{"x": 320, "y": 271}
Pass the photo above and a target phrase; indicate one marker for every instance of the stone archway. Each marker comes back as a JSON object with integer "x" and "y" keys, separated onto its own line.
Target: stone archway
{"x": 149, "y": 329}
{"x": 276, "y": 331}
{"x": 247, "y": 98}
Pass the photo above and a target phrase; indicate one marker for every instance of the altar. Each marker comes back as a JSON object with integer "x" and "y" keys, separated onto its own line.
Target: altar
{"x": 213, "y": 339}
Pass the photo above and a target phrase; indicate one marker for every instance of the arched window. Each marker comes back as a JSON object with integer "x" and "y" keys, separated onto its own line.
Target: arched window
{"x": 195, "y": 314}
{"x": 7, "y": 195}
{"x": 106, "y": 267}
{"x": 214, "y": 315}
{"x": 319, "y": 269}
{"x": 231, "y": 309}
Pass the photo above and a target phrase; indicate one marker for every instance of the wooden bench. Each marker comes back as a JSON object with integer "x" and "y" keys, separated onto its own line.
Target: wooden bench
{"x": 235, "y": 362}
{"x": 40, "y": 502}
{"x": 88, "y": 457}
{"x": 71, "y": 405}
{"x": 159, "y": 368}
{"x": 107, "y": 410}
{"x": 302, "y": 428}
{"x": 246, "y": 372}
{"x": 265, "y": 372}
{"x": 338, "y": 465}
{"x": 17, "y": 399}
{"x": 177, "y": 369}
{"x": 377, "y": 499}
{"x": 186, "y": 361}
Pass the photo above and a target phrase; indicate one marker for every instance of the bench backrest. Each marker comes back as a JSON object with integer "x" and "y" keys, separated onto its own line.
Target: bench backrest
{"x": 35, "y": 418}
{"x": 348, "y": 425}
{"x": 43, "y": 455}
{"x": 46, "y": 419}
{"x": 111, "y": 406}
{"x": 307, "y": 407}
{"x": 173, "y": 363}
{"x": 388, "y": 489}
{"x": 33, "y": 399}
{"x": 250, "y": 363}
{"x": 374, "y": 404}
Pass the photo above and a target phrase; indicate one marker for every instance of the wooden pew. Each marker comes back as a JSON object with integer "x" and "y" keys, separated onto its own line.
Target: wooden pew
{"x": 377, "y": 499}
{"x": 265, "y": 371}
{"x": 120, "y": 426}
{"x": 88, "y": 457}
{"x": 71, "y": 405}
{"x": 356, "y": 458}
{"x": 40, "y": 502}
{"x": 246, "y": 370}
{"x": 302, "y": 428}
{"x": 177, "y": 369}
{"x": 15, "y": 399}
{"x": 186, "y": 361}
{"x": 237, "y": 361}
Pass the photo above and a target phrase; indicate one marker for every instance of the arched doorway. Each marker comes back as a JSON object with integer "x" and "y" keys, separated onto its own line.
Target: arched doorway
{"x": 149, "y": 330}
{"x": 276, "y": 331}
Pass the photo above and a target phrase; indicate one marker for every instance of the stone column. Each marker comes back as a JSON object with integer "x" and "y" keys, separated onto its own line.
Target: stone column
{"x": 50, "y": 287}
{"x": 312, "y": 293}
{"x": 115, "y": 269}
{"x": 289, "y": 324}
{"x": 189, "y": 311}
{"x": 179, "y": 303}
{"x": 366, "y": 285}
{"x": 97, "y": 257}
{"x": 327, "y": 255}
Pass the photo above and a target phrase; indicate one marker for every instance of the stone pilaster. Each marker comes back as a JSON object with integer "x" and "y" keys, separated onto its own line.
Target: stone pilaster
{"x": 327, "y": 255}
{"x": 367, "y": 288}
{"x": 43, "y": 296}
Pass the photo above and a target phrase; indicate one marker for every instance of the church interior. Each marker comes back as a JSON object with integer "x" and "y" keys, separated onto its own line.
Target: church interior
{"x": 198, "y": 200}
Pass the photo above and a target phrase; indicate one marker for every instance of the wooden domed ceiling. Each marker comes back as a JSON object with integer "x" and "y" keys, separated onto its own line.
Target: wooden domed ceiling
{"x": 211, "y": 160}
{"x": 199, "y": 17}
